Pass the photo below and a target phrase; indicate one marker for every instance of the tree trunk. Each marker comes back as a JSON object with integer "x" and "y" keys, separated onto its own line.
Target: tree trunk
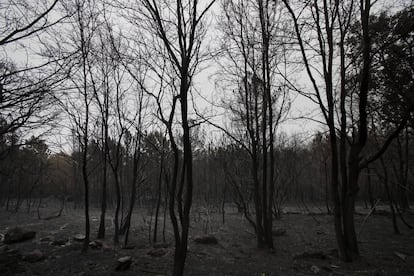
{"x": 389, "y": 196}
{"x": 370, "y": 193}
{"x": 335, "y": 195}
{"x": 178, "y": 260}
{"x": 117, "y": 208}
{"x": 326, "y": 188}
{"x": 86, "y": 202}
{"x": 166, "y": 181}
{"x": 132, "y": 199}
{"x": 157, "y": 209}
{"x": 180, "y": 255}
{"x": 101, "y": 230}
{"x": 188, "y": 165}
{"x": 402, "y": 174}
{"x": 352, "y": 250}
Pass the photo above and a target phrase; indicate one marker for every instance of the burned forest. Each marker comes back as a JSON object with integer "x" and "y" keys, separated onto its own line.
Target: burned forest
{"x": 214, "y": 137}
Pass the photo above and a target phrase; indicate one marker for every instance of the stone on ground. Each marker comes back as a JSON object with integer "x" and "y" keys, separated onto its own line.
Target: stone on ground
{"x": 315, "y": 269}
{"x": 18, "y": 234}
{"x": 34, "y": 256}
{"x": 100, "y": 244}
{"x": 157, "y": 252}
{"x": 59, "y": 241}
{"x": 124, "y": 263}
{"x": 47, "y": 239}
{"x": 79, "y": 237}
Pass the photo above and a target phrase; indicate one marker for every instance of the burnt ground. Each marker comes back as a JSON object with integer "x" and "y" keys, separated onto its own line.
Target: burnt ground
{"x": 307, "y": 247}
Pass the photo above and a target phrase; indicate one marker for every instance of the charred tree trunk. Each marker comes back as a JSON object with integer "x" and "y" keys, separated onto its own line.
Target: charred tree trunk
{"x": 328, "y": 209}
{"x": 132, "y": 198}
{"x": 389, "y": 196}
{"x": 178, "y": 264}
{"x": 85, "y": 129}
{"x": 101, "y": 230}
{"x": 352, "y": 250}
{"x": 181, "y": 250}
{"x": 117, "y": 207}
{"x": 337, "y": 211}
{"x": 166, "y": 181}
{"x": 403, "y": 172}
{"x": 159, "y": 193}
{"x": 370, "y": 192}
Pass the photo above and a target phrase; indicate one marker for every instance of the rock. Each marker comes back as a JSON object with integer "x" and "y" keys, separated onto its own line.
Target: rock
{"x": 34, "y": 256}
{"x": 93, "y": 245}
{"x": 47, "y": 239}
{"x": 279, "y": 232}
{"x": 311, "y": 255}
{"x": 59, "y": 241}
{"x": 74, "y": 246}
{"x": 123, "y": 263}
{"x": 99, "y": 244}
{"x": 157, "y": 252}
{"x": 106, "y": 247}
{"x": 96, "y": 244}
{"x": 63, "y": 226}
{"x": 406, "y": 257}
{"x": 206, "y": 240}
{"x": 315, "y": 269}
{"x": 402, "y": 256}
{"x": 9, "y": 250}
{"x": 18, "y": 234}
{"x": 79, "y": 237}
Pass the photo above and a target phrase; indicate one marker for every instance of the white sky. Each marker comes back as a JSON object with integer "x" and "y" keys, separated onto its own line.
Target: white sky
{"x": 204, "y": 84}
{"x": 301, "y": 108}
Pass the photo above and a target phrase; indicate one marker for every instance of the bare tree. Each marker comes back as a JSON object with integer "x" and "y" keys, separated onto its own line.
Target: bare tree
{"x": 26, "y": 85}
{"x": 22, "y": 20}
{"x": 321, "y": 30}
{"x": 77, "y": 91}
{"x": 175, "y": 33}
{"x": 102, "y": 98}
{"x": 253, "y": 52}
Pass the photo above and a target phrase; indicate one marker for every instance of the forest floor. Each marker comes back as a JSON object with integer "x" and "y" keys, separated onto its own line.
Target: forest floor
{"x": 307, "y": 247}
